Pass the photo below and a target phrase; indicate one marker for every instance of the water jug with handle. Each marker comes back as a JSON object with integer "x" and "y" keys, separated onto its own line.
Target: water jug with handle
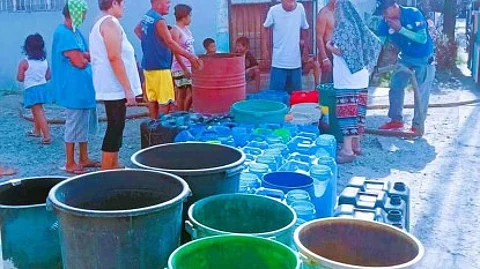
{"x": 323, "y": 194}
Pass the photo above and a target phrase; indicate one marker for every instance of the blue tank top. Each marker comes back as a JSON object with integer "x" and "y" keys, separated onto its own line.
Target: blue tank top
{"x": 156, "y": 54}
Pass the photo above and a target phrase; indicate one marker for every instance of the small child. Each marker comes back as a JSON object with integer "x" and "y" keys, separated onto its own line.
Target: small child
{"x": 34, "y": 72}
{"x": 252, "y": 69}
{"x": 309, "y": 63}
{"x": 209, "y": 46}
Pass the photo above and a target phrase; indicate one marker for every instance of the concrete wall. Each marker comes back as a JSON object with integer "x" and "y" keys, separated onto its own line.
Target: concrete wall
{"x": 15, "y": 27}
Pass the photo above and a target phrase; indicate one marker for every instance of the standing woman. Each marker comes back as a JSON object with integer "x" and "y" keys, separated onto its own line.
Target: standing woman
{"x": 181, "y": 67}
{"x": 115, "y": 76}
{"x": 355, "y": 53}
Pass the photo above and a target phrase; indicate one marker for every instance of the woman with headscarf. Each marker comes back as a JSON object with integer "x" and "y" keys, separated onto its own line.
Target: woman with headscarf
{"x": 115, "y": 75}
{"x": 73, "y": 85}
{"x": 356, "y": 50}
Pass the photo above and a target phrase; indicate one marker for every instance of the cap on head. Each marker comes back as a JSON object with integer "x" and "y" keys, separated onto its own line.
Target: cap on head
{"x": 383, "y": 5}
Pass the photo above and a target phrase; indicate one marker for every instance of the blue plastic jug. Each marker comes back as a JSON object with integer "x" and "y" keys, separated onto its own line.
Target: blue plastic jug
{"x": 401, "y": 189}
{"x": 322, "y": 176}
{"x": 395, "y": 218}
{"x": 296, "y": 167}
{"x": 249, "y": 182}
{"x": 305, "y": 210}
{"x": 328, "y": 143}
{"x": 259, "y": 169}
{"x": 330, "y": 162}
{"x": 297, "y": 196}
{"x": 268, "y": 160}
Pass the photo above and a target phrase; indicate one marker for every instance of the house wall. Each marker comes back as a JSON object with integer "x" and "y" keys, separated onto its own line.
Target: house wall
{"x": 15, "y": 27}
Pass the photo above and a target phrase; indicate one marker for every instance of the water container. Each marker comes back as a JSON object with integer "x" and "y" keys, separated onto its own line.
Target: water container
{"x": 282, "y": 147}
{"x": 252, "y": 151}
{"x": 401, "y": 189}
{"x": 222, "y": 81}
{"x": 131, "y": 217}
{"x": 295, "y": 166}
{"x": 184, "y": 136}
{"x": 347, "y": 243}
{"x": 330, "y": 162}
{"x": 240, "y": 136}
{"x": 395, "y": 202}
{"x": 300, "y": 97}
{"x": 288, "y": 181}
{"x": 273, "y": 139}
{"x": 269, "y": 95}
{"x": 297, "y": 196}
{"x": 369, "y": 185}
{"x": 328, "y": 102}
{"x": 306, "y": 148}
{"x": 29, "y": 232}
{"x": 284, "y": 134}
{"x": 241, "y": 214}
{"x": 356, "y": 197}
{"x": 258, "y": 169}
{"x": 258, "y": 144}
{"x": 322, "y": 153}
{"x": 306, "y": 113}
{"x": 305, "y": 210}
{"x": 329, "y": 143}
{"x": 249, "y": 182}
{"x": 395, "y": 218}
{"x": 277, "y": 155}
{"x": 268, "y": 160}
{"x": 322, "y": 176}
{"x": 234, "y": 252}
{"x": 259, "y": 111}
{"x": 309, "y": 159}
{"x": 350, "y": 211}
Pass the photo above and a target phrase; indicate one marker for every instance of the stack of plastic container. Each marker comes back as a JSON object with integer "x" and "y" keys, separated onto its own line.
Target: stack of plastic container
{"x": 376, "y": 200}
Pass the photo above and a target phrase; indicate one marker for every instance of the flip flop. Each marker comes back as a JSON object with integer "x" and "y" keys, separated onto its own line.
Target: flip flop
{"x": 46, "y": 141}
{"x": 74, "y": 172}
{"x": 7, "y": 172}
{"x": 32, "y": 134}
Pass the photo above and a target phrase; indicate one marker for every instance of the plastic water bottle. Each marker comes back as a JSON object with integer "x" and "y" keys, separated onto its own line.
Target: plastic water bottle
{"x": 277, "y": 154}
{"x": 268, "y": 160}
{"x": 295, "y": 166}
{"x": 282, "y": 147}
{"x": 184, "y": 136}
{"x": 330, "y": 162}
{"x": 305, "y": 210}
{"x": 297, "y": 196}
{"x": 254, "y": 151}
{"x": 308, "y": 159}
{"x": 322, "y": 180}
{"x": 328, "y": 143}
{"x": 258, "y": 144}
{"x": 259, "y": 169}
{"x": 249, "y": 182}
{"x": 240, "y": 136}
{"x": 273, "y": 139}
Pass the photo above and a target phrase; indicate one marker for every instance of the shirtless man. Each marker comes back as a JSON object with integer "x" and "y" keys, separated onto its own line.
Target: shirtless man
{"x": 325, "y": 24}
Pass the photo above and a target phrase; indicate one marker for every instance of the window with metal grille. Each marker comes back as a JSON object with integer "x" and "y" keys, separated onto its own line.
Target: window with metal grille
{"x": 31, "y": 5}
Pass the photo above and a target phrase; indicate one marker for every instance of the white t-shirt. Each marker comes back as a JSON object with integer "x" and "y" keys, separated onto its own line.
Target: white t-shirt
{"x": 286, "y": 35}
{"x": 343, "y": 79}
{"x": 107, "y": 86}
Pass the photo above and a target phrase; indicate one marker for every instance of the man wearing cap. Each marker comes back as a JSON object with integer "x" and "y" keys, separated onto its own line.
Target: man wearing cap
{"x": 407, "y": 28}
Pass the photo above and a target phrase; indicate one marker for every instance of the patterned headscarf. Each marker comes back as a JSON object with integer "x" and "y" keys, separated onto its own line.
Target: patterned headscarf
{"x": 359, "y": 46}
{"x": 76, "y": 8}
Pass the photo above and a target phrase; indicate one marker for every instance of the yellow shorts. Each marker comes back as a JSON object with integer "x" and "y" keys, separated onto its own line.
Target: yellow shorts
{"x": 159, "y": 86}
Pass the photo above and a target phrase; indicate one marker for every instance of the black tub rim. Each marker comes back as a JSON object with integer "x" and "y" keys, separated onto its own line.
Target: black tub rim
{"x": 307, "y": 254}
{"x": 54, "y": 203}
{"x": 19, "y": 181}
{"x": 269, "y": 235}
{"x": 191, "y": 172}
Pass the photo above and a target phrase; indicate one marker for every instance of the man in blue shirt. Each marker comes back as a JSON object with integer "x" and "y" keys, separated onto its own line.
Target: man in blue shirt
{"x": 407, "y": 28}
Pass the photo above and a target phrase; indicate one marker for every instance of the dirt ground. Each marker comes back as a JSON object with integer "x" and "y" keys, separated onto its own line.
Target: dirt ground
{"x": 442, "y": 169}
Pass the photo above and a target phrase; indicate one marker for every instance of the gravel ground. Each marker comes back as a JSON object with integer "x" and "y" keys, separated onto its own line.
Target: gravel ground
{"x": 442, "y": 168}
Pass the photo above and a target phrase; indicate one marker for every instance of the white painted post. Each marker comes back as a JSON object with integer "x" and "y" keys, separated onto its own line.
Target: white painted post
{"x": 222, "y": 38}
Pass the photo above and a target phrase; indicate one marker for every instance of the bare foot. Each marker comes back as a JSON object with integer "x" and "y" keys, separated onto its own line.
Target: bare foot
{"x": 7, "y": 172}
{"x": 75, "y": 169}
{"x": 90, "y": 164}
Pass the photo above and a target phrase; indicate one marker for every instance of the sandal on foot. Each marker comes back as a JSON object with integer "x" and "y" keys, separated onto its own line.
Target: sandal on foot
{"x": 32, "y": 134}
{"x": 46, "y": 141}
{"x": 342, "y": 158}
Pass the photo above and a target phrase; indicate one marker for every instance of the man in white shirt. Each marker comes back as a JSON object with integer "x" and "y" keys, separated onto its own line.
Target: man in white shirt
{"x": 286, "y": 20}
